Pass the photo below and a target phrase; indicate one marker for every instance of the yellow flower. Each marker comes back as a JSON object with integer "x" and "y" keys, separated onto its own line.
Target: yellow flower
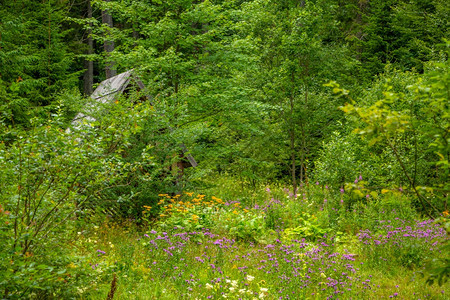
{"x": 218, "y": 200}
{"x": 235, "y": 212}
{"x": 445, "y": 213}
{"x": 72, "y": 265}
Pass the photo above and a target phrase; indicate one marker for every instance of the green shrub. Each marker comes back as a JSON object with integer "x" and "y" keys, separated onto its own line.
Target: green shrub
{"x": 48, "y": 176}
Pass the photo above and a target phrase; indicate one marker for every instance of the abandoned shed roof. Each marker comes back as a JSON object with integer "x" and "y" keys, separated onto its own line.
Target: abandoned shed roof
{"x": 107, "y": 92}
{"x": 109, "y": 88}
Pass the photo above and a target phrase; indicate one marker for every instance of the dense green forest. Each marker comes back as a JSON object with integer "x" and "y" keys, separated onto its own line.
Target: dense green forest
{"x": 314, "y": 124}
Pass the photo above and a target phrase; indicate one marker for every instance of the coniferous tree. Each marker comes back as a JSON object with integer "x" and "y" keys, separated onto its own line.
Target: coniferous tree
{"x": 36, "y": 63}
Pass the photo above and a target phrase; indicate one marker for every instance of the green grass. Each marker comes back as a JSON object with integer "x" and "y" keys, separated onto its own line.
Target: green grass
{"x": 294, "y": 225}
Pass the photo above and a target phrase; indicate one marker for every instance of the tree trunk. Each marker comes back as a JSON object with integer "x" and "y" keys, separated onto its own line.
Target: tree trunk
{"x": 108, "y": 45}
{"x": 89, "y": 64}
{"x": 303, "y": 147}
{"x": 292, "y": 145}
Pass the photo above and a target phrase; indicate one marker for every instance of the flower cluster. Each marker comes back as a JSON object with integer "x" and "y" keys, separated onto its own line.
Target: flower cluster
{"x": 407, "y": 244}
{"x": 293, "y": 270}
{"x": 186, "y": 203}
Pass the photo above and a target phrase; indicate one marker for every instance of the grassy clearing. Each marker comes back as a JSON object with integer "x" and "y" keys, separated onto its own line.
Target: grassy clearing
{"x": 315, "y": 246}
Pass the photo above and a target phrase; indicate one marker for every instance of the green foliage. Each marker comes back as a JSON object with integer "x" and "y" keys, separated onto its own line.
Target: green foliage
{"x": 388, "y": 122}
{"x": 47, "y": 176}
{"x": 35, "y": 60}
{"x": 339, "y": 160}
{"x": 309, "y": 229}
{"x": 247, "y": 227}
{"x": 438, "y": 269}
{"x": 405, "y": 33}
{"x": 240, "y": 84}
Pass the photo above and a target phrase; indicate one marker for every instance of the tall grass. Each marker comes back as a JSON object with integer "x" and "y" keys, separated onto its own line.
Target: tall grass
{"x": 276, "y": 245}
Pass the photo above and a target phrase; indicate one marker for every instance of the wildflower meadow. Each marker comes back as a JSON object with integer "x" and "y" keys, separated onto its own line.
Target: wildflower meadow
{"x": 280, "y": 245}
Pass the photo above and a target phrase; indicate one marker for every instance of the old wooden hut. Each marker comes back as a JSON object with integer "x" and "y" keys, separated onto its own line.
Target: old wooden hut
{"x": 108, "y": 91}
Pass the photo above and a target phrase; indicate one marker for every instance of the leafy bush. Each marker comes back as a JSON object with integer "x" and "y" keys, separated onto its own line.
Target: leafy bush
{"x": 47, "y": 176}
{"x": 309, "y": 229}
{"x": 338, "y": 161}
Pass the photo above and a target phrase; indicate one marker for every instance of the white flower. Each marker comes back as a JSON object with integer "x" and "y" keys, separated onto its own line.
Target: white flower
{"x": 250, "y": 277}
{"x": 264, "y": 290}
{"x": 227, "y": 280}
{"x": 232, "y": 289}
{"x": 208, "y": 286}
{"x": 261, "y": 296}
{"x": 241, "y": 291}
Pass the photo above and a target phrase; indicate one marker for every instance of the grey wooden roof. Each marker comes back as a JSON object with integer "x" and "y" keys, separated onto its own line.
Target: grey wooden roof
{"x": 109, "y": 88}
{"x": 107, "y": 91}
